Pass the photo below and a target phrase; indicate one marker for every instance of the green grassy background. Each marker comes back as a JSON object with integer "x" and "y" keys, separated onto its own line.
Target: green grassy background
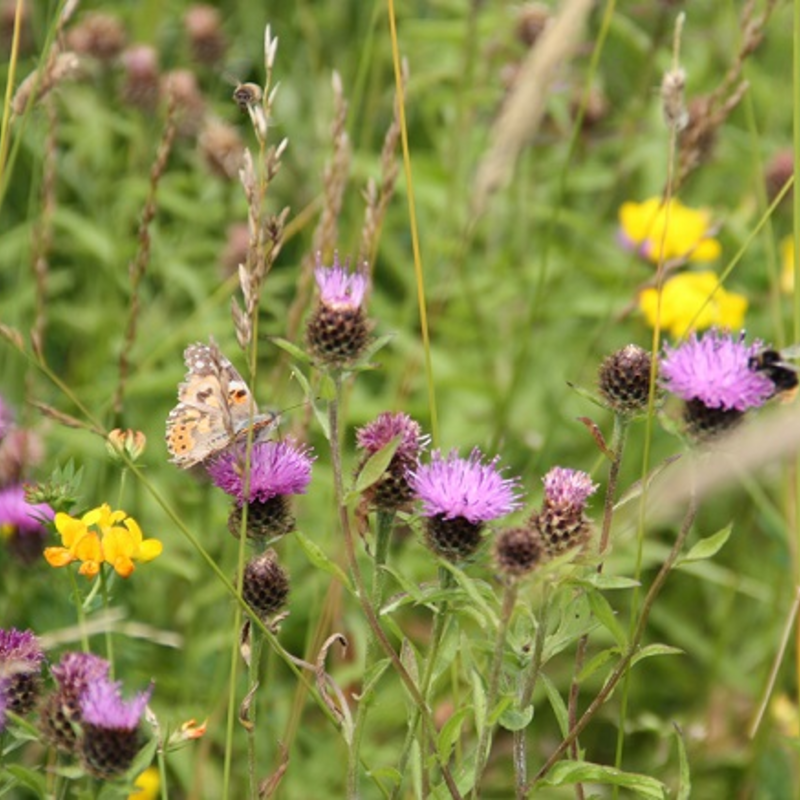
{"x": 530, "y": 297}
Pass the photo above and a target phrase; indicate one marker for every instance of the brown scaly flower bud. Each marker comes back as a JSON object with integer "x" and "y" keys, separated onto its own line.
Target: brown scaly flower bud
{"x": 204, "y": 29}
{"x": 141, "y": 87}
{"x": 561, "y": 524}
{"x": 338, "y": 331}
{"x": 779, "y": 170}
{"x": 181, "y": 88}
{"x": 624, "y": 379}
{"x": 265, "y": 585}
{"x": 222, "y": 149}
{"x": 531, "y": 22}
{"x": 517, "y": 551}
{"x": 98, "y": 35}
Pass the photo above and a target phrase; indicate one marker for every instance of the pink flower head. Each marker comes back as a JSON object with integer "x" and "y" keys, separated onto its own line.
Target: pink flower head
{"x": 386, "y": 426}
{"x": 568, "y": 489}
{"x": 456, "y": 487}
{"x": 339, "y": 288}
{"x": 77, "y": 671}
{"x": 715, "y": 369}
{"x": 20, "y": 652}
{"x": 102, "y": 706}
{"x": 276, "y": 468}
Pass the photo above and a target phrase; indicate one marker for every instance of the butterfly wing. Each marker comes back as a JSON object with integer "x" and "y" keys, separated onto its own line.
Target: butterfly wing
{"x": 213, "y": 402}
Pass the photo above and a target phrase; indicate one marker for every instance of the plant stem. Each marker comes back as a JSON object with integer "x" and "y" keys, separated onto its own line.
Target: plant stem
{"x": 482, "y": 754}
{"x": 520, "y": 742}
{"x": 361, "y": 592}
{"x": 622, "y": 666}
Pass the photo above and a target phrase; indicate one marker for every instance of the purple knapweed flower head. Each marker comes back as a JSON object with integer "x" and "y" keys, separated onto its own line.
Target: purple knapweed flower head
{"x": 714, "y": 376}
{"x": 339, "y": 288}
{"x": 385, "y": 427}
{"x": 77, "y": 671}
{"x": 464, "y": 487}
{"x": 459, "y": 496}
{"x": 22, "y": 523}
{"x": 21, "y": 659}
{"x": 276, "y": 468}
{"x": 392, "y": 490}
{"x": 715, "y": 369}
{"x": 561, "y": 525}
{"x": 110, "y": 727}
{"x": 60, "y": 713}
{"x": 102, "y": 706}
{"x": 568, "y": 489}
{"x": 338, "y": 331}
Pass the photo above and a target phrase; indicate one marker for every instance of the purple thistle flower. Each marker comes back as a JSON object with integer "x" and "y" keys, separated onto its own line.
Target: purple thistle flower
{"x": 17, "y": 515}
{"x": 386, "y": 426}
{"x": 102, "y": 706}
{"x": 339, "y": 288}
{"x": 715, "y": 370}
{"x": 455, "y": 487}
{"x": 276, "y": 468}
{"x": 19, "y": 651}
{"x": 77, "y": 671}
{"x": 21, "y": 659}
{"x": 568, "y": 489}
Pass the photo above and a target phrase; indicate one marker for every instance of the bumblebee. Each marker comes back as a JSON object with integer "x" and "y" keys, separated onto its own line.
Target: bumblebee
{"x": 776, "y": 367}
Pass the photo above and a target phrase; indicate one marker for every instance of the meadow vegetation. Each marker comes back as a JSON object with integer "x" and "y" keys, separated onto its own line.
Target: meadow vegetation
{"x": 513, "y": 511}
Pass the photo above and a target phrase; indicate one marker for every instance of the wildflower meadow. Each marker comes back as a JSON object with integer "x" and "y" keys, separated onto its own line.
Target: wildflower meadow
{"x": 397, "y": 399}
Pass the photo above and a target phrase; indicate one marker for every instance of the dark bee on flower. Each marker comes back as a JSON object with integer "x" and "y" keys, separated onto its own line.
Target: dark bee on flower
{"x": 246, "y": 95}
{"x": 775, "y": 365}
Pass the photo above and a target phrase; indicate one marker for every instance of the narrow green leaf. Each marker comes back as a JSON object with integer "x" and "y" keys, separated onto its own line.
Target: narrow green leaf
{"x": 566, "y": 773}
{"x": 470, "y": 587}
{"x": 450, "y": 733}
{"x": 479, "y": 698}
{"x": 321, "y": 561}
{"x": 556, "y": 703}
{"x": 656, "y": 650}
{"x": 602, "y": 610}
{"x": 292, "y": 349}
{"x": 707, "y": 548}
{"x": 685, "y": 784}
{"x": 319, "y": 413}
{"x": 29, "y": 778}
{"x": 598, "y": 580}
{"x": 598, "y": 661}
{"x": 376, "y": 465}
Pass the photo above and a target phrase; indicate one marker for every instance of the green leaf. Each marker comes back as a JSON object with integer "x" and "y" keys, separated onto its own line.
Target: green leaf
{"x": 571, "y": 772}
{"x": 376, "y": 465}
{"x": 556, "y": 703}
{"x": 655, "y": 650}
{"x": 515, "y": 719}
{"x": 292, "y": 349}
{"x": 470, "y": 587}
{"x": 321, "y": 561}
{"x": 598, "y": 661}
{"x": 598, "y": 580}
{"x": 450, "y": 733}
{"x": 707, "y": 548}
{"x": 685, "y": 785}
{"x": 602, "y": 610}
{"x": 29, "y": 778}
{"x": 479, "y": 698}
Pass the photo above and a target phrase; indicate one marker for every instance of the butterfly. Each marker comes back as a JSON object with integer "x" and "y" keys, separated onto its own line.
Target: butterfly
{"x": 215, "y": 409}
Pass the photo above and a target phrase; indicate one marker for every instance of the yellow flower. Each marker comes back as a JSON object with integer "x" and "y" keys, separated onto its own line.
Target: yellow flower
{"x": 97, "y": 537}
{"x": 682, "y": 298}
{"x": 687, "y": 231}
{"x": 147, "y": 785}
{"x": 787, "y": 260}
